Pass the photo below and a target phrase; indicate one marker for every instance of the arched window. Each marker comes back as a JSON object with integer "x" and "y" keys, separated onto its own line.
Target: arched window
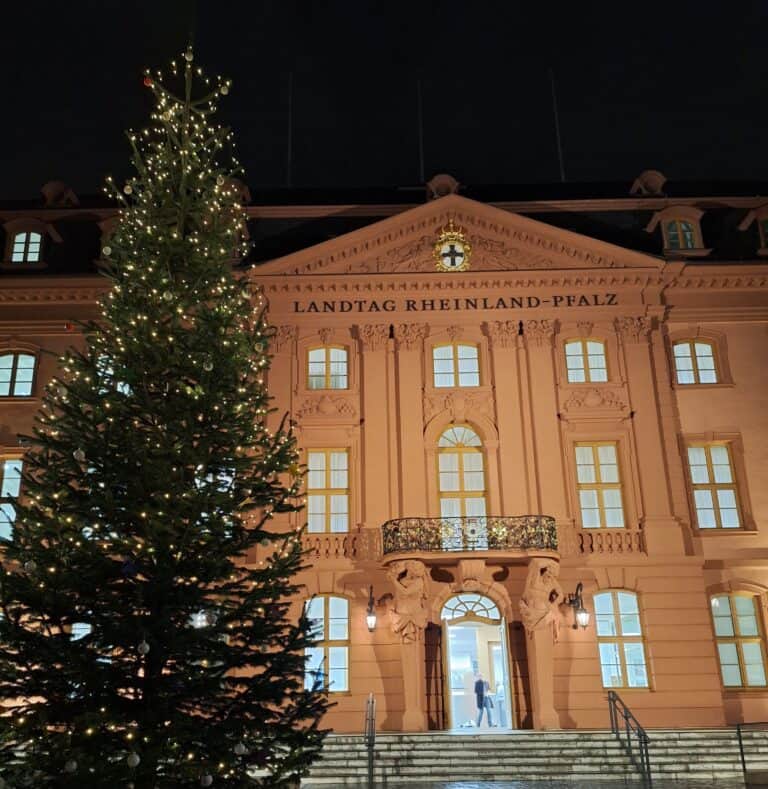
{"x": 680, "y": 234}
{"x": 10, "y": 487}
{"x": 470, "y": 605}
{"x": 80, "y": 630}
{"x": 17, "y": 371}
{"x": 327, "y": 662}
{"x": 26, "y": 247}
{"x": 461, "y": 473}
{"x": 620, "y": 640}
{"x": 740, "y": 641}
{"x": 455, "y": 364}
{"x": 327, "y": 368}
{"x": 695, "y": 362}
{"x": 585, "y": 361}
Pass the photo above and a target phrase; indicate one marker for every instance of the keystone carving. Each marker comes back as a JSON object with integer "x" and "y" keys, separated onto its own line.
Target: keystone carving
{"x": 325, "y": 335}
{"x": 373, "y": 336}
{"x": 410, "y": 335}
{"x": 326, "y": 405}
{"x": 454, "y": 332}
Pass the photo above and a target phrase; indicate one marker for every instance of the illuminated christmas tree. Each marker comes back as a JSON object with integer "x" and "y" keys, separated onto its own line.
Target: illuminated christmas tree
{"x": 141, "y": 643}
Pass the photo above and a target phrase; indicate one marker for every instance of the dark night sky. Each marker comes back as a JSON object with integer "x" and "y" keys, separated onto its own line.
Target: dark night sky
{"x": 679, "y": 86}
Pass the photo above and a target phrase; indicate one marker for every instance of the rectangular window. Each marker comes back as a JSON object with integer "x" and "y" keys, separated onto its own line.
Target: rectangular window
{"x": 10, "y": 487}
{"x": 327, "y": 368}
{"x": 585, "y": 361}
{"x": 455, "y": 365}
{"x": 327, "y": 662}
{"x": 599, "y": 486}
{"x": 714, "y": 486}
{"x": 694, "y": 362}
{"x": 328, "y": 490}
{"x": 16, "y": 373}
{"x": 740, "y": 646}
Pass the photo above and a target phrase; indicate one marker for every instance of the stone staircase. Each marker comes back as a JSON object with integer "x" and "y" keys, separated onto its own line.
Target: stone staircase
{"x": 703, "y": 756}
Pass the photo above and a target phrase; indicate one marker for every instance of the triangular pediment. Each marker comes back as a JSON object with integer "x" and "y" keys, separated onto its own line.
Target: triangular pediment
{"x": 500, "y": 241}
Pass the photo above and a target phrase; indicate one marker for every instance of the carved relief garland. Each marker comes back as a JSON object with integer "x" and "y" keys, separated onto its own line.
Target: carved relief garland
{"x": 326, "y": 405}
{"x": 633, "y": 329}
{"x": 503, "y": 334}
{"x": 284, "y": 335}
{"x": 410, "y": 335}
{"x": 459, "y": 405}
{"x": 539, "y": 332}
{"x": 373, "y": 336}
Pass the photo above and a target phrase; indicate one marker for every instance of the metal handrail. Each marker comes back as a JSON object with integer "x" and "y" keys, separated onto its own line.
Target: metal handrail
{"x": 618, "y": 709}
{"x": 370, "y": 734}
{"x": 739, "y": 728}
{"x": 470, "y": 533}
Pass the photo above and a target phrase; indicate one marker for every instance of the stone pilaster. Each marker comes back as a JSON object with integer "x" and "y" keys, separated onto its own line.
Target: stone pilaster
{"x": 413, "y": 485}
{"x": 374, "y": 339}
{"x": 663, "y": 532}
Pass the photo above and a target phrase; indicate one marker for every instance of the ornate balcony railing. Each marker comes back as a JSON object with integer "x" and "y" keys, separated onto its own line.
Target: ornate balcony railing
{"x": 486, "y": 533}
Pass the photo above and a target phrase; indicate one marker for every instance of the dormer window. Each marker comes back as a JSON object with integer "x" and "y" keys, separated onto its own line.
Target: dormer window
{"x": 679, "y": 234}
{"x": 760, "y": 217}
{"x": 680, "y": 230}
{"x": 26, "y": 247}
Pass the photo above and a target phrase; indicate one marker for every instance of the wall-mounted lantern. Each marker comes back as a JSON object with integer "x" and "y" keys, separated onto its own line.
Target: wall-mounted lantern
{"x": 370, "y": 614}
{"x": 580, "y": 614}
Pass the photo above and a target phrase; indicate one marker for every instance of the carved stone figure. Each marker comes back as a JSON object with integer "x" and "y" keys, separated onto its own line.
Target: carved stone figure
{"x": 541, "y": 597}
{"x": 409, "y": 613}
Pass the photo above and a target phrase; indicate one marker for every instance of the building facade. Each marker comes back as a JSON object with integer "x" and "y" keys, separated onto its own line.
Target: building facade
{"x": 513, "y": 412}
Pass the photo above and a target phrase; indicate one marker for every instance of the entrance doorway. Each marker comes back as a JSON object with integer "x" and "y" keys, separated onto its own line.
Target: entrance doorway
{"x": 475, "y": 638}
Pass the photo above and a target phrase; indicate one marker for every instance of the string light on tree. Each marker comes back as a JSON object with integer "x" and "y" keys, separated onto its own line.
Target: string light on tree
{"x": 156, "y": 481}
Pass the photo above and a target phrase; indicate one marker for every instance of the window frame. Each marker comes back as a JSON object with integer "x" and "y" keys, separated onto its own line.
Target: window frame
{"x": 599, "y": 485}
{"x": 327, "y": 348}
{"x": 713, "y": 486}
{"x": 738, "y": 639}
{"x": 16, "y": 227}
{"x": 11, "y": 499}
{"x": 692, "y": 342}
{"x": 455, "y": 374}
{"x": 328, "y": 492}
{"x": 326, "y": 643}
{"x": 621, "y": 640}
{"x": 677, "y": 214}
{"x": 461, "y": 494}
{"x": 585, "y": 358}
{"x": 15, "y": 353}
{"x": 26, "y": 244}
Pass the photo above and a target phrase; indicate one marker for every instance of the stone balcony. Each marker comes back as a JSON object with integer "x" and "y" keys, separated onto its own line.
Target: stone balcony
{"x": 502, "y": 536}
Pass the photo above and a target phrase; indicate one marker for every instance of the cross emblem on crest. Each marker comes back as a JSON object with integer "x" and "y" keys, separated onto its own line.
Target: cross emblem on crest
{"x": 452, "y": 250}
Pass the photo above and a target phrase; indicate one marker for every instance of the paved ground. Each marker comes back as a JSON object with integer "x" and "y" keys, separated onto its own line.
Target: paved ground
{"x": 619, "y": 784}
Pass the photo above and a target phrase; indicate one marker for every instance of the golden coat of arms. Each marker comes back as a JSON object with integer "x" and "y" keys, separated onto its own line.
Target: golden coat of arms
{"x": 452, "y": 251}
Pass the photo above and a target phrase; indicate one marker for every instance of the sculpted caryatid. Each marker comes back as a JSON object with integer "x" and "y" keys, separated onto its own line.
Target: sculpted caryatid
{"x": 409, "y": 614}
{"x": 541, "y": 597}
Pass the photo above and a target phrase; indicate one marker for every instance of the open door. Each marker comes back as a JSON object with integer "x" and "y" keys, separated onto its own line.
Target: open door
{"x": 433, "y": 651}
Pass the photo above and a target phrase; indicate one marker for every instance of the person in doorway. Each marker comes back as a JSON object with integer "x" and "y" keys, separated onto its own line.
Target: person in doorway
{"x": 484, "y": 700}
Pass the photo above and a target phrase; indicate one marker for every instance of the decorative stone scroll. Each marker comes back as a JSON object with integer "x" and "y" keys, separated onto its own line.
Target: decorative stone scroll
{"x": 409, "y": 612}
{"x": 503, "y": 334}
{"x": 410, "y": 335}
{"x": 459, "y": 405}
{"x": 539, "y": 332}
{"x": 326, "y": 405}
{"x": 284, "y": 335}
{"x": 594, "y": 398}
{"x": 633, "y": 329}
{"x": 373, "y": 336}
